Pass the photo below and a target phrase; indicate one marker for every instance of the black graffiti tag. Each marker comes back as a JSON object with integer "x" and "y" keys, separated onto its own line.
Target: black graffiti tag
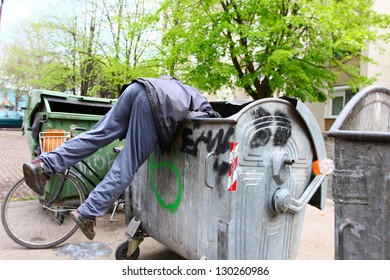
{"x": 283, "y": 132}
{"x": 218, "y": 143}
{"x": 263, "y": 120}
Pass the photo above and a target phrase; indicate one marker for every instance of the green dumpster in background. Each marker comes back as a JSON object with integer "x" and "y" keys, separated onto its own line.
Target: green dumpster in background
{"x": 48, "y": 110}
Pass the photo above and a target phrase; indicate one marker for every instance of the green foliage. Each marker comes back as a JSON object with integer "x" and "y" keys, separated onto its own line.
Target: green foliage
{"x": 299, "y": 48}
{"x": 90, "y": 48}
{"x": 296, "y": 47}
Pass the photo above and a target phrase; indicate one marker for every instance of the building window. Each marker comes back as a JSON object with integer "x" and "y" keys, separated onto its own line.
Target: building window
{"x": 341, "y": 97}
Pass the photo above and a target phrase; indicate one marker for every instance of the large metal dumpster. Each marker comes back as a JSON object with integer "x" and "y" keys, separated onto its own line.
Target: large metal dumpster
{"x": 50, "y": 110}
{"x": 361, "y": 181}
{"x": 230, "y": 188}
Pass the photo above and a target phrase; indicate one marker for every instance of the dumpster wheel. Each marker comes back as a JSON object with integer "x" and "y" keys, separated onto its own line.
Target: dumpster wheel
{"x": 121, "y": 252}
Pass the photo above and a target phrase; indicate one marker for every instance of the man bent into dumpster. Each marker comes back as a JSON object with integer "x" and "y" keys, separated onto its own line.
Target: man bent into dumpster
{"x": 148, "y": 112}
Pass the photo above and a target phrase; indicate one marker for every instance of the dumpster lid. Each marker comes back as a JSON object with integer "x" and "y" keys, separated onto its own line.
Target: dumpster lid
{"x": 318, "y": 199}
{"x": 79, "y": 105}
{"x": 366, "y": 116}
{"x": 67, "y": 103}
{"x": 229, "y": 108}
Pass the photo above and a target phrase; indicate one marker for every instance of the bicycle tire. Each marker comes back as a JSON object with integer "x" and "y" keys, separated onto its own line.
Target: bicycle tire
{"x": 32, "y": 223}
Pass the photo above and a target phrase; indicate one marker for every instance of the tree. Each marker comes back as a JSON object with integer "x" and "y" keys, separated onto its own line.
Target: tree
{"x": 78, "y": 34}
{"x": 13, "y": 72}
{"x": 91, "y": 48}
{"x": 127, "y": 44}
{"x": 174, "y": 55}
{"x": 32, "y": 60}
{"x": 297, "y": 47}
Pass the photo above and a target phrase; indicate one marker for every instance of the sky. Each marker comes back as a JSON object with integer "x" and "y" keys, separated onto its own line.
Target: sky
{"x": 15, "y": 12}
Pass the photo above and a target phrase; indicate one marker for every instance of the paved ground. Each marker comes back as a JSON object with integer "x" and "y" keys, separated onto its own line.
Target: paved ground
{"x": 317, "y": 241}
{"x": 13, "y": 153}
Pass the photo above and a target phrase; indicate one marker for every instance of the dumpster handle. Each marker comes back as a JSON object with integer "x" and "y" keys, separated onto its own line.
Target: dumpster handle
{"x": 206, "y": 171}
{"x": 297, "y": 205}
{"x": 340, "y": 237}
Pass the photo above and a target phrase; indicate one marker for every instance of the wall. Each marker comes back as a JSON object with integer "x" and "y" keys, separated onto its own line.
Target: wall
{"x": 380, "y": 55}
{"x": 381, "y": 71}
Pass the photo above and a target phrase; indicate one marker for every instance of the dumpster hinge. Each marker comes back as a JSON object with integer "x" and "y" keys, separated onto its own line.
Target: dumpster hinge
{"x": 133, "y": 227}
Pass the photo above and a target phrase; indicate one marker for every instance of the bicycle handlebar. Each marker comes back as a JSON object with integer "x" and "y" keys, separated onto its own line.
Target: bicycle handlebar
{"x": 78, "y": 128}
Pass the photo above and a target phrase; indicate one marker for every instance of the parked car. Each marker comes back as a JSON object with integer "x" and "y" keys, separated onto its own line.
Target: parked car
{"x": 10, "y": 119}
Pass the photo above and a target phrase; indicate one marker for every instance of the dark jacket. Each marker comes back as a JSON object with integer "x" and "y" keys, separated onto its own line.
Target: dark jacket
{"x": 171, "y": 102}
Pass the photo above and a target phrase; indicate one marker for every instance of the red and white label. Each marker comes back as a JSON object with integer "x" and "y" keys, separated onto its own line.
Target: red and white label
{"x": 233, "y": 163}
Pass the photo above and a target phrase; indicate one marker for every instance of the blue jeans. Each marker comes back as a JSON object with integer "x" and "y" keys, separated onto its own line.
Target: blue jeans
{"x": 130, "y": 118}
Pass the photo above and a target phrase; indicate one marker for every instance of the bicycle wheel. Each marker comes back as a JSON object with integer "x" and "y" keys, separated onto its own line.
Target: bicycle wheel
{"x": 42, "y": 222}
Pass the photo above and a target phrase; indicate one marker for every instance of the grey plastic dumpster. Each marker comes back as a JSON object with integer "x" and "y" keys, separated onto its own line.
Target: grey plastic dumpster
{"x": 361, "y": 180}
{"x": 230, "y": 188}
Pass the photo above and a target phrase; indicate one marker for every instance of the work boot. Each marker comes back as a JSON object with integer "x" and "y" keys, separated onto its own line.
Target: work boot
{"x": 34, "y": 176}
{"x": 86, "y": 225}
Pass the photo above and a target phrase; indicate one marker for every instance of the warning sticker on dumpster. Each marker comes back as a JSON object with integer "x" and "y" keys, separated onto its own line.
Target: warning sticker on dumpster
{"x": 233, "y": 162}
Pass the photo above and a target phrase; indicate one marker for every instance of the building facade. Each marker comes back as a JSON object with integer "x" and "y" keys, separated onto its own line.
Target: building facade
{"x": 327, "y": 113}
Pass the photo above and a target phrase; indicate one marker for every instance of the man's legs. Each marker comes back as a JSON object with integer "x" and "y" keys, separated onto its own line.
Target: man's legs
{"x": 112, "y": 126}
{"x": 141, "y": 139}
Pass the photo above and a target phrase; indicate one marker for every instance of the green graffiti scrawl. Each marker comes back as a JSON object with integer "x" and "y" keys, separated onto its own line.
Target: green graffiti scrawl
{"x": 153, "y": 167}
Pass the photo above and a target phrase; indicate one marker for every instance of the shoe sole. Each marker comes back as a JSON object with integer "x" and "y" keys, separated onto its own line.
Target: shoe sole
{"x": 80, "y": 224}
{"x": 31, "y": 178}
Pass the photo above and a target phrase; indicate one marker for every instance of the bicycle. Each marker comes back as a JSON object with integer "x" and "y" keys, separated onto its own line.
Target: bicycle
{"x": 41, "y": 222}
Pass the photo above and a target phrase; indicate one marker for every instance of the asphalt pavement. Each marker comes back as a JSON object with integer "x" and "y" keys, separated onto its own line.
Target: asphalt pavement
{"x": 317, "y": 241}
